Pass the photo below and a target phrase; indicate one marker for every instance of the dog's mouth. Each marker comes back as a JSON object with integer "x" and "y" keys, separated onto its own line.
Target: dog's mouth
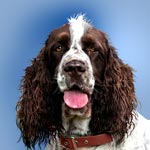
{"x": 76, "y": 98}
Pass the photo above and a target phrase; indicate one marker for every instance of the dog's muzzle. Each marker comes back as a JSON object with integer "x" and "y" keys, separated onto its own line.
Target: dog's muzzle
{"x": 75, "y": 77}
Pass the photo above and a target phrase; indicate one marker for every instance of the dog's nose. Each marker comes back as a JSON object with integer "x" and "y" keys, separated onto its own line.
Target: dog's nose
{"x": 75, "y": 67}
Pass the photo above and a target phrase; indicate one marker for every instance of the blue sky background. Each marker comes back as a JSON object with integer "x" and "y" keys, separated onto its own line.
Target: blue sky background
{"x": 25, "y": 25}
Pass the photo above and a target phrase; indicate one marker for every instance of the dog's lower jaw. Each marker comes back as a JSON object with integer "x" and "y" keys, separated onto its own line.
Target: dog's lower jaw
{"x": 77, "y": 128}
{"x": 76, "y": 122}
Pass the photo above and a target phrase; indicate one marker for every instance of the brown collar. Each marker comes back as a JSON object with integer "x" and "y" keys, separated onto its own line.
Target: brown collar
{"x": 86, "y": 141}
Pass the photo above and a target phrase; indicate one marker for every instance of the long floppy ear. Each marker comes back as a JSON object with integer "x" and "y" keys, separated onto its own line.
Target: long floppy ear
{"x": 115, "y": 100}
{"x": 38, "y": 117}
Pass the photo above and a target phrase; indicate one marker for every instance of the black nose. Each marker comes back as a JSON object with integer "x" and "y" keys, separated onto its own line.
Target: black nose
{"x": 75, "y": 67}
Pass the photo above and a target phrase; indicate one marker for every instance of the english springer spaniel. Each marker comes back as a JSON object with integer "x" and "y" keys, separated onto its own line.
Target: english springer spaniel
{"x": 79, "y": 95}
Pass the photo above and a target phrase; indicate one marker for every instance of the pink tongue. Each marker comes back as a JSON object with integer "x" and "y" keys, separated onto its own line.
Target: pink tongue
{"x": 75, "y": 99}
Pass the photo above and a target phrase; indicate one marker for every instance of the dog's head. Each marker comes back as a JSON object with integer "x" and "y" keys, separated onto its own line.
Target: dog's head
{"x": 76, "y": 67}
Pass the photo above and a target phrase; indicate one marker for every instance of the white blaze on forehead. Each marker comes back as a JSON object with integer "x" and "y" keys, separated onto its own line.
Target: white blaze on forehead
{"x": 78, "y": 26}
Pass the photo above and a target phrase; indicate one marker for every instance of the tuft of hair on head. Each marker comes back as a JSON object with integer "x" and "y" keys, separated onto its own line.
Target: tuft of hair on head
{"x": 79, "y": 25}
{"x": 79, "y": 16}
{"x": 79, "y": 19}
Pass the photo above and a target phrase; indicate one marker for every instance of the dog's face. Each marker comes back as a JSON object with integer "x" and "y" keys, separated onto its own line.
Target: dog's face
{"x": 78, "y": 51}
{"x": 77, "y": 73}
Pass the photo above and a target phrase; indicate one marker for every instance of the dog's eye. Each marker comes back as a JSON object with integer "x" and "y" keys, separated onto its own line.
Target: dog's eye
{"x": 90, "y": 49}
{"x": 59, "y": 48}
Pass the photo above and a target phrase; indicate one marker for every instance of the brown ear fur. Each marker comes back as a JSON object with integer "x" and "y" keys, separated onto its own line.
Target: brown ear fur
{"x": 38, "y": 116}
{"x": 114, "y": 98}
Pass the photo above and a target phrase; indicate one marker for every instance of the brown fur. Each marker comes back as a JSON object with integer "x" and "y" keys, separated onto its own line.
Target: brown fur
{"x": 113, "y": 99}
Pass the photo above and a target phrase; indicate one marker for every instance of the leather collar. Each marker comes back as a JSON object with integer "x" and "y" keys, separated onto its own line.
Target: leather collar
{"x": 85, "y": 141}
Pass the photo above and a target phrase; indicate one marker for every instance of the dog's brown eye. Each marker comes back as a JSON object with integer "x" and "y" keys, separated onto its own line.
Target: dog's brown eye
{"x": 90, "y": 49}
{"x": 59, "y": 48}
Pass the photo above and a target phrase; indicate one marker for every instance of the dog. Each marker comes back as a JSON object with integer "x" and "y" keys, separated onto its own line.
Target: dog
{"x": 78, "y": 94}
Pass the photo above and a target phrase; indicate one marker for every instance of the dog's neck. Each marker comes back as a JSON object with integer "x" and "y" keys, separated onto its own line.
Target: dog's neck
{"x": 76, "y": 121}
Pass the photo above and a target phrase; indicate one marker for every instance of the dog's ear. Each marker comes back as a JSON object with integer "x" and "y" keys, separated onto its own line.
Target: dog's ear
{"x": 32, "y": 107}
{"x": 119, "y": 79}
{"x": 115, "y": 99}
{"x": 37, "y": 115}
{"x": 120, "y": 92}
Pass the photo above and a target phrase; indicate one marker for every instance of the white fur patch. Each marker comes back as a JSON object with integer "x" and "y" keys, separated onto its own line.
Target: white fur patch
{"x": 78, "y": 27}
